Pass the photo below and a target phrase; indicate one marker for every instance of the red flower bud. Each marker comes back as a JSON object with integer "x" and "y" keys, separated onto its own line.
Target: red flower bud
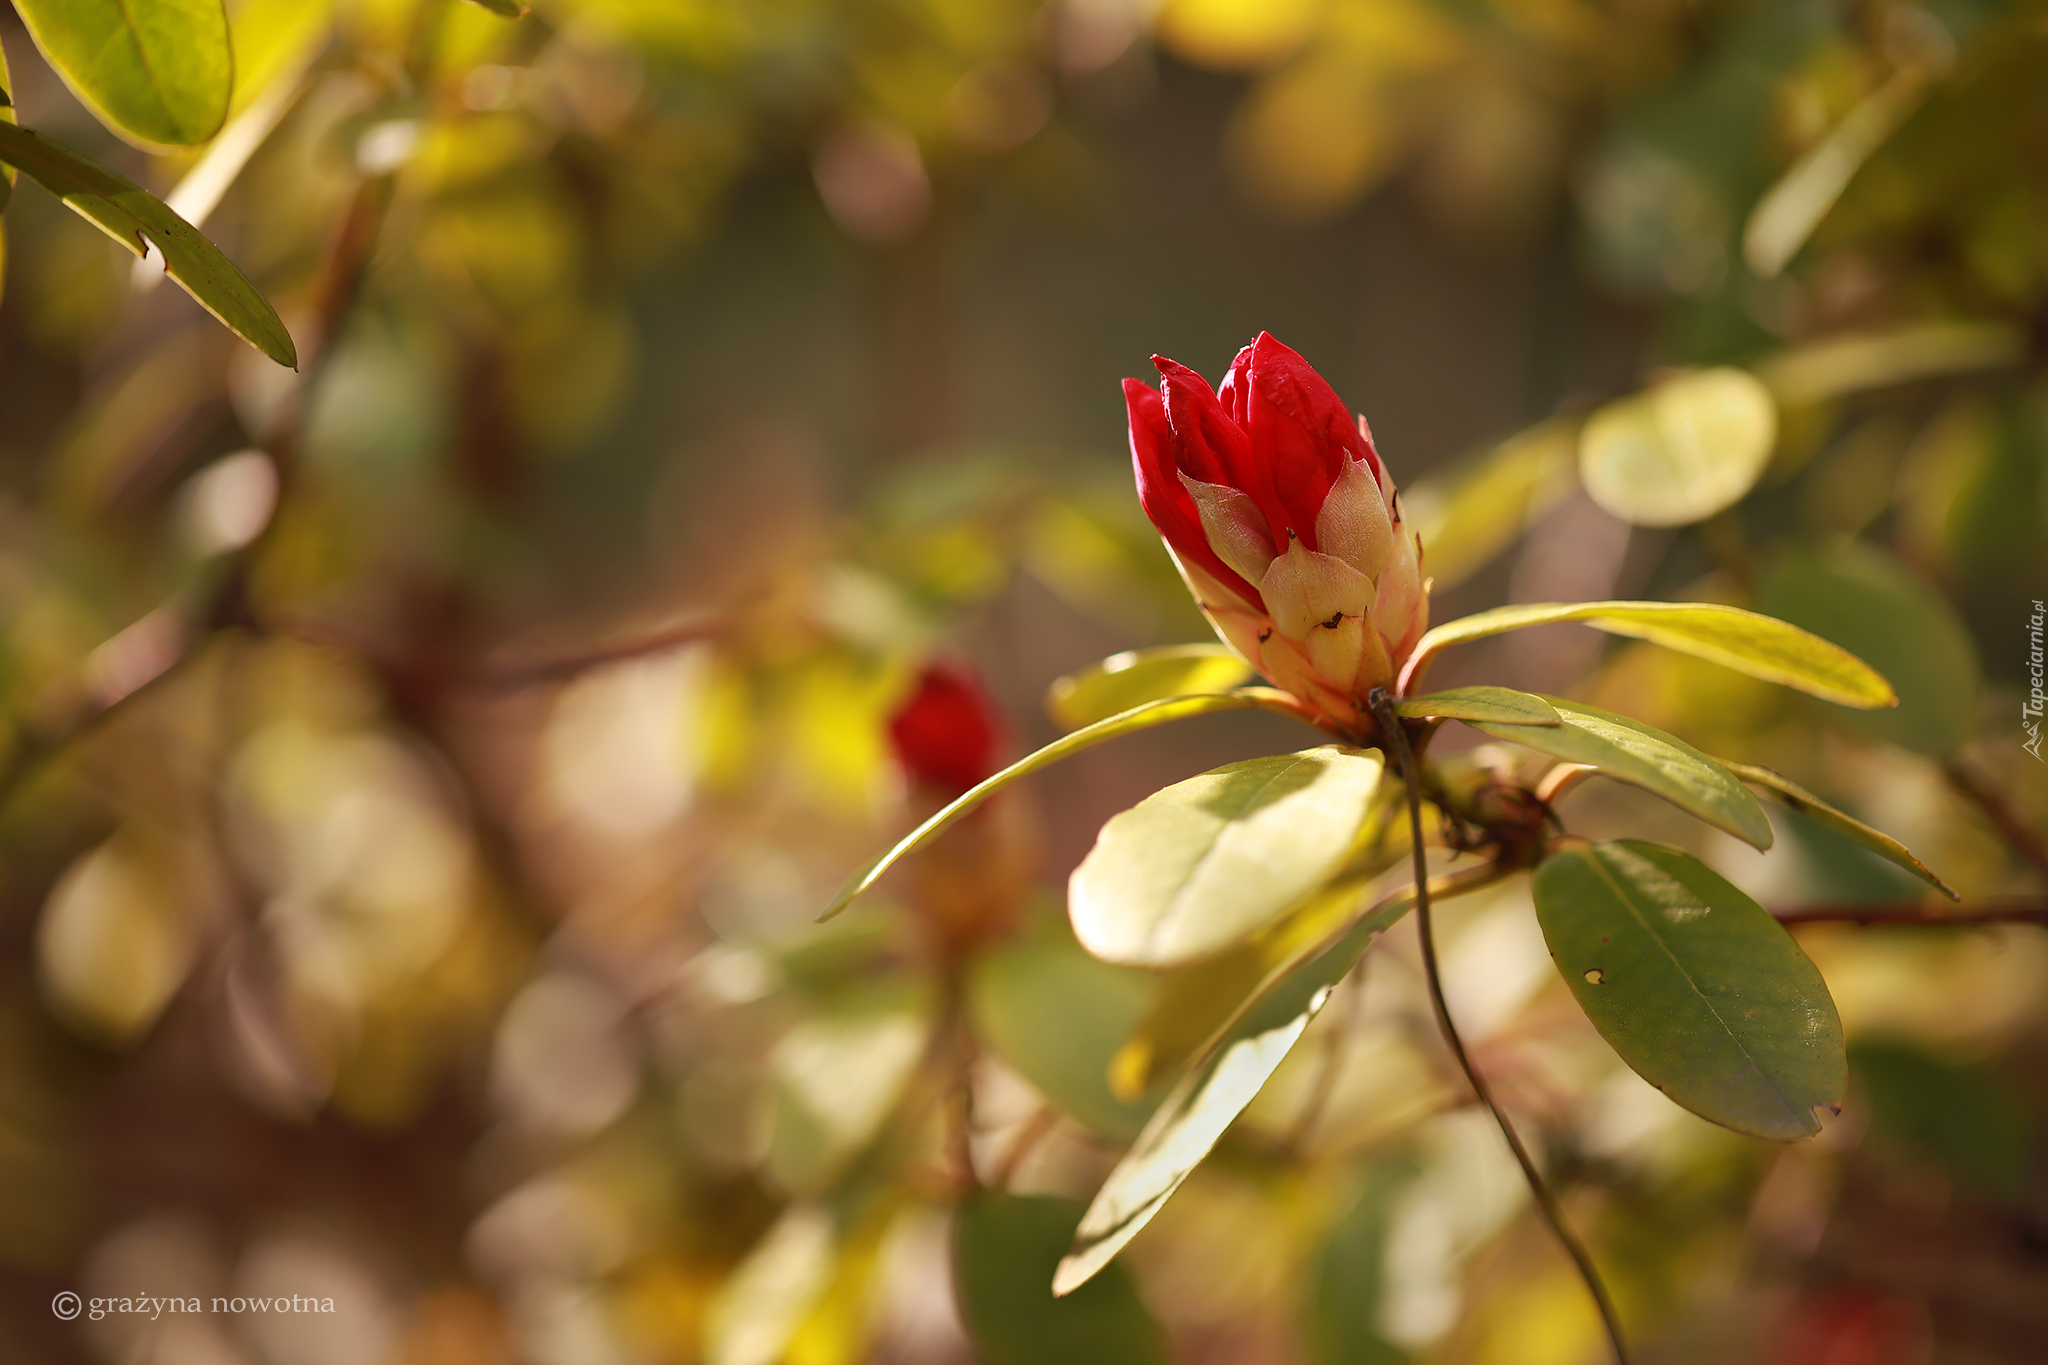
{"x": 946, "y": 734}
{"x": 1285, "y": 525}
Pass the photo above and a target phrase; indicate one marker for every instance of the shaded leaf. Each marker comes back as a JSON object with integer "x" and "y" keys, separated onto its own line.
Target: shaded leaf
{"x": 132, "y": 216}
{"x": 1129, "y": 722}
{"x": 1811, "y": 806}
{"x": 1695, "y": 985}
{"x": 1343, "y": 1310}
{"x": 6, "y": 171}
{"x": 1865, "y": 600}
{"x": 1746, "y": 641}
{"x": 1140, "y": 675}
{"x": 1208, "y": 862}
{"x": 1970, "y": 1118}
{"x": 1005, "y": 1249}
{"x": 1633, "y": 752}
{"x": 159, "y": 71}
{"x": 1843, "y": 365}
{"x": 1500, "y": 705}
{"x": 1684, "y": 450}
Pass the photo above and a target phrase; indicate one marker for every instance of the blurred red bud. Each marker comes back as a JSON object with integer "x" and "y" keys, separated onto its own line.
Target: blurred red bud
{"x": 946, "y": 733}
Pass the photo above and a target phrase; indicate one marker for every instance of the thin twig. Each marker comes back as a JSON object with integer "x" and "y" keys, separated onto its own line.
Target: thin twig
{"x": 1326, "y": 1063}
{"x": 1917, "y": 914}
{"x": 512, "y": 676}
{"x": 2023, "y": 838}
{"x": 1546, "y": 1202}
{"x": 1029, "y": 1134}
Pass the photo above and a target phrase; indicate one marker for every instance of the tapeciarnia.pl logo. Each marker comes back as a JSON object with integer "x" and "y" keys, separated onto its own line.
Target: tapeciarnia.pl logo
{"x": 2031, "y": 708}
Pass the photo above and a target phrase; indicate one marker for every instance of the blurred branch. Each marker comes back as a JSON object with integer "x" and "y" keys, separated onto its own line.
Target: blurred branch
{"x": 509, "y": 677}
{"x": 1917, "y": 914}
{"x": 1986, "y": 796}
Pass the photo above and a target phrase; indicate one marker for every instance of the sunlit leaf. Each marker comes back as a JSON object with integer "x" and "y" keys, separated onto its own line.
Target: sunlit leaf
{"x": 1682, "y": 451}
{"x": 1761, "y": 646}
{"x": 1058, "y": 1015}
{"x": 159, "y": 71}
{"x": 1633, "y": 752}
{"x": 1843, "y": 365}
{"x": 1468, "y": 517}
{"x": 1811, "y": 806}
{"x": 1129, "y": 722}
{"x": 1500, "y": 705}
{"x": 1695, "y": 985}
{"x": 1863, "y": 599}
{"x": 133, "y": 217}
{"x": 1236, "y": 33}
{"x": 1140, "y": 675}
{"x": 1005, "y": 1249}
{"x": 760, "y": 1308}
{"x": 1208, "y": 862}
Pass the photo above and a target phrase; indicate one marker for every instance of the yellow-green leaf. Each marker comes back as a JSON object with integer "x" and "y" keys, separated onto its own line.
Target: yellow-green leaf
{"x": 1469, "y": 516}
{"x": 6, "y": 116}
{"x": 1695, "y": 985}
{"x": 157, "y": 71}
{"x": 1761, "y": 646}
{"x": 1683, "y": 450}
{"x": 1662, "y": 764}
{"x": 133, "y": 217}
{"x": 1140, "y": 675}
{"x": 1811, "y": 806}
{"x": 1207, "y": 863}
{"x": 1137, "y": 718}
{"x": 1500, "y": 705}
{"x": 504, "y": 9}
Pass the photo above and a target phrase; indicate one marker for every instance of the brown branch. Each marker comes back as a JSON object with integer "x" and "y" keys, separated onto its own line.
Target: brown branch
{"x": 510, "y": 677}
{"x": 1917, "y": 914}
{"x": 1985, "y": 795}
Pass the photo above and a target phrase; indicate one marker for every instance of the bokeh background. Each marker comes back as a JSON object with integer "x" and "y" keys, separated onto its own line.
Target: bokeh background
{"x": 420, "y": 772}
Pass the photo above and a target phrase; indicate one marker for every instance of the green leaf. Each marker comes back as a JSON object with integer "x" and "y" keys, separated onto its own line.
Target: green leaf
{"x": 1208, "y": 862}
{"x": 1499, "y": 705}
{"x": 132, "y": 216}
{"x": 1058, "y": 1015}
{"x": 1746, "y": 641}
{"x": 1140, "y": 675}
{"x": 1842, "y": 365}
{"x": 6, "y": 116}
{"x": 1865, "y": 600}
{"x": 158, "y": 71}
{"x": 1970, "y": 1117}
{"x": 1005, "y": 1249}
{"x": 1129, "y": 722}
{"x": 1811, "y": 806}
{"x": 1349, "y": 1272}
{"x": 1695, "y": 985}
{"x": 508, "y": 9}
{"x": 1665, "y": 765}
{"x": 1684, "y": 450}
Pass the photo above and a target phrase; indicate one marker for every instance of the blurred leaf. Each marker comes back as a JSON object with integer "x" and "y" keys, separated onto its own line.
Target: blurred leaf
{"x": 159, "y": 71}
{"x": 135, "y": 218}
{"x": 509, "y": 9}
{"x": 1682, "y": 451}
{"x": 1208, "y": 862}
{"x": 1129, "y": 722}
{"x": 1702, "y": 993}
{"x": 1140, "y": 675}
{"x": 1844, "y": 365}
{"x": 1746, "y": 641}
{"x": 1811, "y": 806}
{"x": 1469, "y": 516}
{"x": 1349, "y": 1273}
{"x": 1630, "y": 751}
{"x": 112, "y": 945}
{"x": 1501, "y": 705}
{"x": 7, "y": 172}
{"x": 762, "y": 1305}
{"x": 1866, "y": 601}
{"x": 1057, "y": 1015}
{"x": 1970, "y": 1118}
{"x": 1005, "y": 1249}
{"x": 1236, "y": 33}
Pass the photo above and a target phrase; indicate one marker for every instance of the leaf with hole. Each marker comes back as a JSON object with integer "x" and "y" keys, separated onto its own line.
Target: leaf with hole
{"x": 1005, "y": 1249}
{"x": 1498, "y": 705}
{"x": 1630, "y": 751}
{"x": 1207, "y": 863}
{"x": 1140, "y": 675}
{"x": 1695, "y": 985}
{"x": 1682, "y": 451}
{"x": 132, "y": 216}
{"x": 1812, "y": 807}
{"x": 1746, "y": 641}
{"x": 157, "y": 71}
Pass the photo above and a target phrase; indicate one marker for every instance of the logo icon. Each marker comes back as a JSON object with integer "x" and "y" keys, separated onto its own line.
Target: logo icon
{"x": 66, "y": 1305}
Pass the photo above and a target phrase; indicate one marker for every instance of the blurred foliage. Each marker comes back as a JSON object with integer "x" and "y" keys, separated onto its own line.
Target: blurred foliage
{"x": 420, "y": 770}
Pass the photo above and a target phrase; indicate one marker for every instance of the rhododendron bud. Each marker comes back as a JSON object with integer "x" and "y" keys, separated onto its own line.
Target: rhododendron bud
{"x": 946, "y": 734}
{"x": 1285, "y": 525}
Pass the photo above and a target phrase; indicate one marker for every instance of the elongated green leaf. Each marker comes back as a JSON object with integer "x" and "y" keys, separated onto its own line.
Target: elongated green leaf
{"x": 1208, "y": 862}
{"x": 1005, "y": 1249}
{"x": 1840, "y": 365}
{"x": 159, "y": 71}
{"x": 1500, "y": 705}
{"x": 1695, "y": 985}
{"x": 132, "y": 216}
{"x": 6, "y": 116}
{"x": 1682, "y": 451}
{"x": 1140, "y": 675}
{"x": 1058, "y": 1015}
{"x": 1811, "y": 806}
{"x": 1761, "y": 646}
{"x": 1129, "y": 722}
{"x": 1631, "y": 751}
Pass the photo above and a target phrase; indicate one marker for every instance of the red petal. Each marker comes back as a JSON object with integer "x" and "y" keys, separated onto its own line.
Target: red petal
{"x": 1161, "y": 493}
{"x": 946, "y": 735}
{"x": 1299, "y": 429}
